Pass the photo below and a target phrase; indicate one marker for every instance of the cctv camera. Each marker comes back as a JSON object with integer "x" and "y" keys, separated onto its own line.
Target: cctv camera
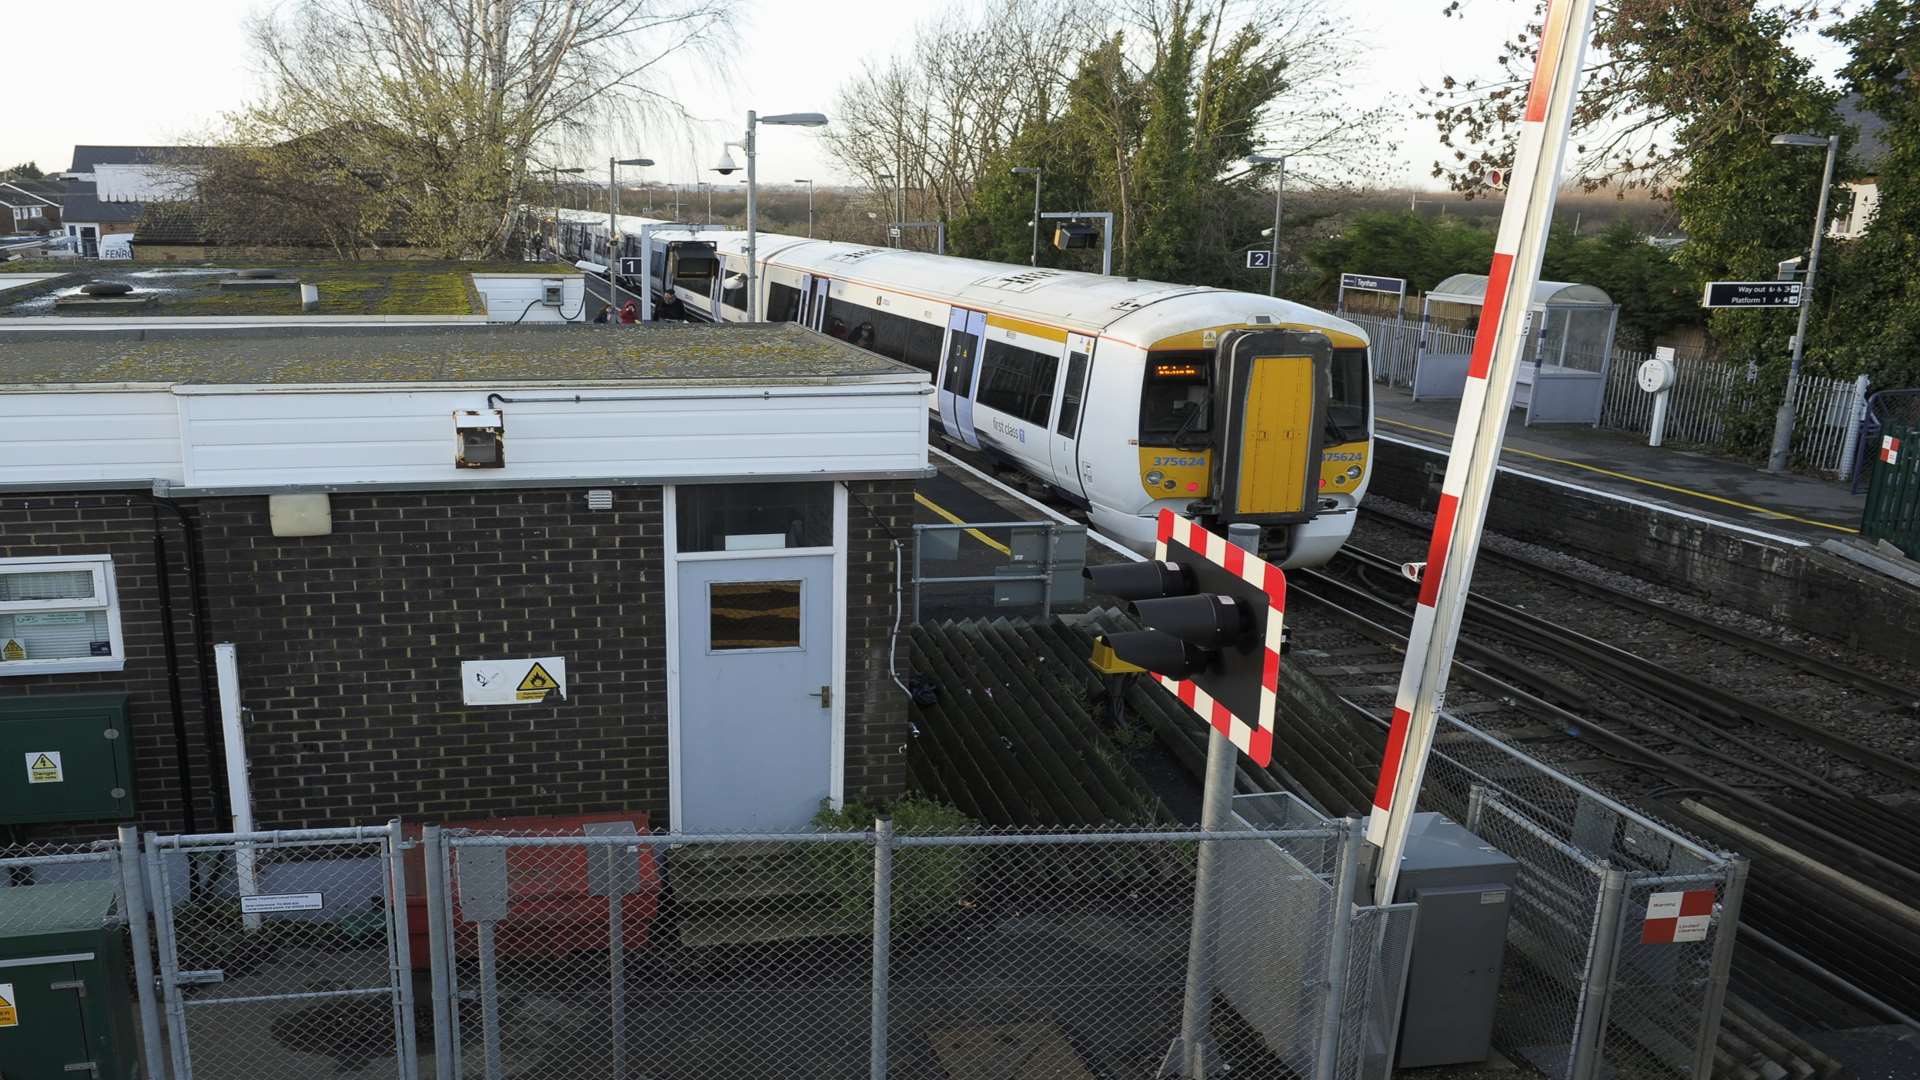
{"x": 725, "y": 171}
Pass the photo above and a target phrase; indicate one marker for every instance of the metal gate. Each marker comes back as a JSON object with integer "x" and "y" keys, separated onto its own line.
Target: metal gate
{"x": 284, "y": 955}
{"x": 1893, "y": 489}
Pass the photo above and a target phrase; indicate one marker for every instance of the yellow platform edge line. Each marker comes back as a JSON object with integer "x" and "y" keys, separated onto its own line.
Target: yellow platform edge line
{"x": 1629, "y": 477}
{"x": 952, "y": 519}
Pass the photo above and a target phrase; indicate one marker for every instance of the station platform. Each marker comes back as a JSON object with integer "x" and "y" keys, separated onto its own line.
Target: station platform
{"x": 1802, "y": 508}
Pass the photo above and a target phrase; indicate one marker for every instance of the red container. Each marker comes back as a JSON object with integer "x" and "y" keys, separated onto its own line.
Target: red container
{"x": 549, "y": 911}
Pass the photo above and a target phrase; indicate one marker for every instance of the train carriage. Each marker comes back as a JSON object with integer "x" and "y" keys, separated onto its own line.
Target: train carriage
{"x": 1122, "y": 396}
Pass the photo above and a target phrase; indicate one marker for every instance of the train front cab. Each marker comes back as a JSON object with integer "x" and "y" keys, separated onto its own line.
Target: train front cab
{"x": 1295, "y": 424}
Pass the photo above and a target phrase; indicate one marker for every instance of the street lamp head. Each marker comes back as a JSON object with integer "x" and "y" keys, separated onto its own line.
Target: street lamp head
{"x": 803, "y": 181}
{"x": 1800, "y": 140}
{"x": 1025, "y": 170}
{"x": 797, "y": 119}
{"x": 568, "y": 171}
{"x": 1266, "y": 159}
{"x": 726, "y": 166}
{"x": 634, "y": 161}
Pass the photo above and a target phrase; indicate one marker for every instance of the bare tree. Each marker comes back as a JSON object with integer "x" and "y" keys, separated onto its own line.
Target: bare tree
{"x": 442, "y": 109}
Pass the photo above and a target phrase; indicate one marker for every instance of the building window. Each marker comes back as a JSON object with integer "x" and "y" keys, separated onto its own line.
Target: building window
{"x": 753, "y": 615}
{"x": 753, "y": 517}
{"x": 59, "y": 615}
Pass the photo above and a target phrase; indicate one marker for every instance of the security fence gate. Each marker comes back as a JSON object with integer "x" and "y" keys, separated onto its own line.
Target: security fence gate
{"x": 282, "y": 955}
{"x": 1893, "y": 489}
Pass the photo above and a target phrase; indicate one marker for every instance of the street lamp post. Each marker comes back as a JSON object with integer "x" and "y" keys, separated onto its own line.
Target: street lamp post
{"x": 1783, "y": 420}
{"x": 892, "y": 232}
{"x": 726, "y": 165}
{"x": 809, "y": 184}
{"x": 1033, "y": 258}
{"x": 613, "y": 204}
{"x": 1279, "y": 184}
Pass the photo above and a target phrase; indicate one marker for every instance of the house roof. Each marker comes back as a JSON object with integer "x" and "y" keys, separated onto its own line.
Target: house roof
{"x": 13, "y": 196}
{"x": 772, "y": 353}
{"x": 87, "y": 158}
{"x": 45, "y": 190}
{"x": 1871, "y": 147}
{"x": 79, "y": 203}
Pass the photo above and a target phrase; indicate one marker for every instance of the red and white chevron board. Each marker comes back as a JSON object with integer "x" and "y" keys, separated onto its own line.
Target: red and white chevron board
{"x": 1889, "y": 449}
{"x": 1484, "y": 407}
{"x": 1252, "y": 735}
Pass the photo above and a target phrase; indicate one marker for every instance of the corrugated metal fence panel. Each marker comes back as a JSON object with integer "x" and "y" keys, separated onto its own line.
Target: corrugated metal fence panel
{"x": 1705, "y": 392}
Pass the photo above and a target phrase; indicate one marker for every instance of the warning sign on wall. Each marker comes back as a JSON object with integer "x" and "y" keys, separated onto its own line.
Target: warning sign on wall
{"x": 9, "y": 1014}
{"x": 43, "y": 767}
{"x": 1677, "y": 917}
{"x": 513, "y": 682}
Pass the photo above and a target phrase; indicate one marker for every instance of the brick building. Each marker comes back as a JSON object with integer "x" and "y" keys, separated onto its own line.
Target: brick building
{"x": 692, "y": 530}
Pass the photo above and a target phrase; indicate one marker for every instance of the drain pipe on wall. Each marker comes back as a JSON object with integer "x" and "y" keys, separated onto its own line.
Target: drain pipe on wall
{"x": 239, "y": 790}
{"x": 176, "y": 702}
{"x": 203, "y": 653}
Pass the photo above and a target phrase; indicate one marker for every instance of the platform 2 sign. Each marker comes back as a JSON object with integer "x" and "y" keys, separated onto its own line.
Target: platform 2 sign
{"x": 513, "y": 682}
{"x": 1752, "y": 294}
{"x": 1259, "y": 259}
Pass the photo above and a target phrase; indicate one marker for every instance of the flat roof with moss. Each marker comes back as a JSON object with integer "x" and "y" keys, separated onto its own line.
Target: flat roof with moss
{"x": 369, "y": 287}
{"x": 770, "y": 353}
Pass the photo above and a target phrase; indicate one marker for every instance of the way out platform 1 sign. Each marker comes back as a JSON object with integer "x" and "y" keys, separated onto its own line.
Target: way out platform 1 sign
{"x": 513, "y": 682}
{"x": 1752, "y": 294}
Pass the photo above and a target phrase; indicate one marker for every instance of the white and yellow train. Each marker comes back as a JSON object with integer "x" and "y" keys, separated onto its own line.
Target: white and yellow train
{"x": 1107, "y": 390}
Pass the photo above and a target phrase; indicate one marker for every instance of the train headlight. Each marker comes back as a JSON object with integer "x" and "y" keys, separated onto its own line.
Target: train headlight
{"x": 1353, "y": 472}
{"x": 1154, "y": 477}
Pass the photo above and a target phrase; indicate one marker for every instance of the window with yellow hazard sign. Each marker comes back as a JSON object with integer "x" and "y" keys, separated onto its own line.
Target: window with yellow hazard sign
{"x": 9, "y": 1011}
{"x": 43, "y": 767}
{"x": 513, "y": 682}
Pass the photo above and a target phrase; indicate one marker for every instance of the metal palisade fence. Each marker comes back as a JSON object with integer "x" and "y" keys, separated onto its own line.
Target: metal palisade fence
{"x": 1704, "y": 394}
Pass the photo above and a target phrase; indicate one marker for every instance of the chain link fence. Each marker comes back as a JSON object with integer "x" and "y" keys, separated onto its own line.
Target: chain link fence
{"x": 281, "y": 955}
{"x": 1622, "y": 929}
{"x": 829, "y": 955}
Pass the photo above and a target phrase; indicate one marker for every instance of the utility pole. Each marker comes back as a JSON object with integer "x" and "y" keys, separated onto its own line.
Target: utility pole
{"x": 1033, "y": 259}
{"x": 1781, "y": 451}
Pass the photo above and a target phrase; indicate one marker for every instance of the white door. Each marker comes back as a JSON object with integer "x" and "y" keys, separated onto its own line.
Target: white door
{"x": 1069, "y": 414}
{"x": 754, "y": 672}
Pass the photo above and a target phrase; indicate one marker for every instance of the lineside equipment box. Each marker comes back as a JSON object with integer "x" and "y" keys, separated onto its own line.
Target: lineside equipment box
{"x": 1464, "y": 888}
{"x": 64, "y": 1008}
{"x": 65, "y": 757}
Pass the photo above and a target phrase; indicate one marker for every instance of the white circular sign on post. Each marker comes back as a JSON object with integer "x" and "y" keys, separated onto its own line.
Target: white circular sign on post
{"x": 1655, "y": 375}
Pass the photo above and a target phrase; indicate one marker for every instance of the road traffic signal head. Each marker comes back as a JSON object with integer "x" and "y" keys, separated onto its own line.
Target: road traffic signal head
{"x": 1213, "y": 615}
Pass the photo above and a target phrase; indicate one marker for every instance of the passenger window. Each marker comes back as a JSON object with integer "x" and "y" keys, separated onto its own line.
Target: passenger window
{"x": 960, "y": 355}
{"x": 1069, "y": 424}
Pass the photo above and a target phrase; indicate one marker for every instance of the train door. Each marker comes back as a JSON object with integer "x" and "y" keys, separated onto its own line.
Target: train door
{"x": 813, "y": 300}
{"x": 965, "y": 331}
{"x": 1067, "y": 418}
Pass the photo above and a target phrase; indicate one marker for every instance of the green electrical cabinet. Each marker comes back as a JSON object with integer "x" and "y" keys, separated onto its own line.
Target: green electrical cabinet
{"x": 65, "y": 757}
{"x": 63, "y": 983}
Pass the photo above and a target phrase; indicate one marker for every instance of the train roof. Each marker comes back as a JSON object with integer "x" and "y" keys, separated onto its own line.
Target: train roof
{"x": 1136, "y": 310}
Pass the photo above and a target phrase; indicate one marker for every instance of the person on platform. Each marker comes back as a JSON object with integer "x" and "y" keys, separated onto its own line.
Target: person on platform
{"x": 606, "y": 314}
{"x": 629, "y": 314}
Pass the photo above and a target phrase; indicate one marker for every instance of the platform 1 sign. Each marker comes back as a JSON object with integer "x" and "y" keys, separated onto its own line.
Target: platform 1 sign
{"x": 632, "y": 266}
{"x": 1752, "y": 294}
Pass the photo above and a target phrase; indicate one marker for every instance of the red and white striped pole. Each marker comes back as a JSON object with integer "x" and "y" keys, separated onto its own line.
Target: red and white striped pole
{"x": 1484, "y": 406}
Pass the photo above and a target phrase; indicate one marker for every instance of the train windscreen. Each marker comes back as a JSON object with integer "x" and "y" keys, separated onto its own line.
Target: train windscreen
{"x": 1175, "y": 407}
{"x": 1349, "y": 385}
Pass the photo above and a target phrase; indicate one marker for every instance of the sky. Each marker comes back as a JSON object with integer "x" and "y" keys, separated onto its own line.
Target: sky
{"x": 791, "y": 59}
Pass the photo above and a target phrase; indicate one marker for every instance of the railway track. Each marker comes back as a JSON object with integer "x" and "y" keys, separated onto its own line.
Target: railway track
{"x": 1821, "y": 812}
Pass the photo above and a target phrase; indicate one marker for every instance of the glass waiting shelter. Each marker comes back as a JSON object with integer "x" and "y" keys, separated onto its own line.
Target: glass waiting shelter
{"x": 1563, "y": 377}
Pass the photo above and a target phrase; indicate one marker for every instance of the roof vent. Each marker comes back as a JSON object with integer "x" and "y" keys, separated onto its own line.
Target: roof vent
{"x": 856, "y": 256}
{"x": 1019, "y": 282}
